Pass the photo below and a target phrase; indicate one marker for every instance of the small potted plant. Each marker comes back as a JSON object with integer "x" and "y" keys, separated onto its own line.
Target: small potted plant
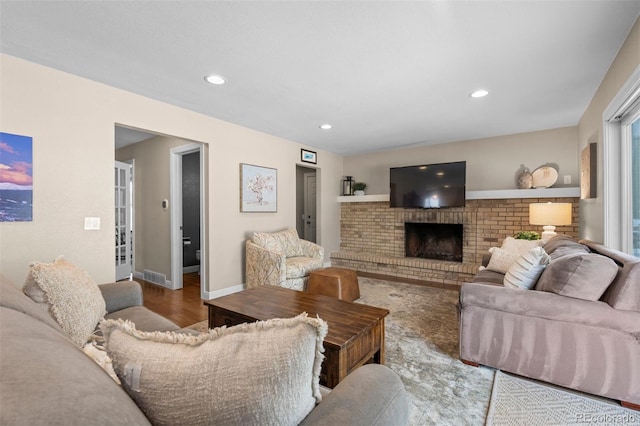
{"x": 358, "y": 188}
{"x": 527, "y": 235}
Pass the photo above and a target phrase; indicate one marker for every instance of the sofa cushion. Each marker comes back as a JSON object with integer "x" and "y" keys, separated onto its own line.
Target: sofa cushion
{"x": 624, "y": 291}
{"x": 47, "y": 380}
{"x": 488, "y": 277}
{"x": 569, "y": 250}
{"x": 527, "y": 269}
{"x": 265, "y": 372}
{"x": 15, "y": 299}
{"x": 501, "y": 260}
{"x": 582, "y": 276}
{"x": 558, "y": 241}
{"x": 144, "y": 319}
{"x": 74, "y": 299}
{"x": 286, "y": 242}
{"x": 298, "y": 267}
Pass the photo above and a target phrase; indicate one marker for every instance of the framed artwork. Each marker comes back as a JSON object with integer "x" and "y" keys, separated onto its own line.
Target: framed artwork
{"x": 307, "y": 156}
{"x": 588, "y": 172}
{"x": 16, "y": 178}
{"x": 258, "y": 189}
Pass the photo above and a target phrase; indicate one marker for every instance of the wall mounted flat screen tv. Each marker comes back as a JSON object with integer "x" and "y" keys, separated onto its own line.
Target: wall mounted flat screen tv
{"x": 428, "y": 186}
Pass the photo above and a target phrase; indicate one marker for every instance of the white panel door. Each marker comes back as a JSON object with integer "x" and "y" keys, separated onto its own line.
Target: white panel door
{"x": 124, "y": 235}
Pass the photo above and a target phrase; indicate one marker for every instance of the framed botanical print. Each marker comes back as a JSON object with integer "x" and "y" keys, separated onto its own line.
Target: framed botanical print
{"x": 258, "y": 189}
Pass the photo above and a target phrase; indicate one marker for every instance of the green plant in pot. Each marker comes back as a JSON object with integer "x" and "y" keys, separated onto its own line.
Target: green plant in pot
{"x": 358, "y": 188}
{"x": 527, "y": 235}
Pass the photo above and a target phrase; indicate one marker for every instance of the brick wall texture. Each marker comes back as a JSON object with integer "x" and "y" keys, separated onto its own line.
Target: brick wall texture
{"x": 372, "y": 236}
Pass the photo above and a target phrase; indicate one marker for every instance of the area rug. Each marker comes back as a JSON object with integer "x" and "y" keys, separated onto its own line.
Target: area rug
{"x": 421, "y": 334}
{"x": 519, "y": 401}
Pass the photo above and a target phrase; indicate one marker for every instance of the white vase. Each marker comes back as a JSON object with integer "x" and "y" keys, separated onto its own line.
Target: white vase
{"x": 359, "y": 192}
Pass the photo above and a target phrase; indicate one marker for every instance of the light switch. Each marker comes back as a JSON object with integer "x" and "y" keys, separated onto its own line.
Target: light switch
{"x": 567, "y": 179}
{"x": 91, "y": 223}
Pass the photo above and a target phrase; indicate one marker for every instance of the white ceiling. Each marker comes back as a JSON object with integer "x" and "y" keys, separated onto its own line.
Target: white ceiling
{"x": 386, "y": 74}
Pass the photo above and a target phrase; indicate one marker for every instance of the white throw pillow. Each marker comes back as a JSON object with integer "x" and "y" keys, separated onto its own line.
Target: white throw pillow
{"x": 501, "y": 260}
{"x": 265, "y": 372}
{"x": 520, "y": 246}
{"x": 525, "y": 272}
{"x": 73, "y": 298}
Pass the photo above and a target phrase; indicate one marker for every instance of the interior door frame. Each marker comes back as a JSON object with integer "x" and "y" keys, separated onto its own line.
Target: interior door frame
{"x": 300, "y": 193}
{"x": 306, "y": 176}
{"x": 175, "y": 201}
{"x": 131, "y": 212}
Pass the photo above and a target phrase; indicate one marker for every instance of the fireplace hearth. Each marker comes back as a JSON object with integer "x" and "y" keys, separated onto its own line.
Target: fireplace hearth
{"x": 440, "y": 241}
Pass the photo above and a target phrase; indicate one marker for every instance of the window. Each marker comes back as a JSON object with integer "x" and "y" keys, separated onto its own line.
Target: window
{"x": 630, "y": 178}
{"x": 635, "y": 185}
{"x": 621, "y": 174}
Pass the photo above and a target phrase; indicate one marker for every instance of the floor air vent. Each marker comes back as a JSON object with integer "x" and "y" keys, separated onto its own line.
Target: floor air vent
{"x": 154, "y": 277}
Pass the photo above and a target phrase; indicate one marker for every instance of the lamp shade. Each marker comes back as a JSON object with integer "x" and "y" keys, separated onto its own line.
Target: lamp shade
{"x": 550, "y": 214}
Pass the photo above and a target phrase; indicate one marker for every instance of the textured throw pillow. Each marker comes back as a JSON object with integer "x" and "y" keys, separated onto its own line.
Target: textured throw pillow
{"x": 582, "y": 276}
{"x": 527, "y": 269}
{"x": 265, "y": 372}
{"x": 286, "y": 242}
{"x": 521, "y": 247}
{"x": 501, "y": 260}
{"x": 73, "y": 298}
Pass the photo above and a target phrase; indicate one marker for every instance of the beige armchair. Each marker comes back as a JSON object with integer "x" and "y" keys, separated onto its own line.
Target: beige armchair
{"x": 282, "y": 259}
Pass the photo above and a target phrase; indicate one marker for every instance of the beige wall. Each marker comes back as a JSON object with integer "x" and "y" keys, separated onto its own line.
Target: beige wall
{"x": 590, "y": 127}
{"x": 72, "y": 124}
{"x": 153, "y": 222}
{"x": 492, "y": 163}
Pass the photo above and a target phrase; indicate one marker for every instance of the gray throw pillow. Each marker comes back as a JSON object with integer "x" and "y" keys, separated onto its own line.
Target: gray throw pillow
{"x": 558, "y": 241}
{"x": 582, "y": 276}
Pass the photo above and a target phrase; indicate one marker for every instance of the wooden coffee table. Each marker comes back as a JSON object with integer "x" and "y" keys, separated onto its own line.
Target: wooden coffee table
{"x": 355, "y": 336}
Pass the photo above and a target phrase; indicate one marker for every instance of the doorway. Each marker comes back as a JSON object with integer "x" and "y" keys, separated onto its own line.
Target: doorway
{"x": 157, "y": 206}
{"x": 187, "y": 199}
{"x": 307, "y": 203}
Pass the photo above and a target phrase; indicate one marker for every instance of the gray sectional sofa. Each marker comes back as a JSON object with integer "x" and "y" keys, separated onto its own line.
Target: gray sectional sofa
{"x": 577, "y": 328}
{"x": 46, "y": 379}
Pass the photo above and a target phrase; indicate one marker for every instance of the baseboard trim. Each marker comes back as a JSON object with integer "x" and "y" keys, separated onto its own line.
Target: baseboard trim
{"x": 223, "y": 292}
{"x": 190, "y": 269}
{"x": 140, "y": 276}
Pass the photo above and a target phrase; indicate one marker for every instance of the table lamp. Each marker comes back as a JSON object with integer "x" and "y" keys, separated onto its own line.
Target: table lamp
{"x": 550, "y": 215}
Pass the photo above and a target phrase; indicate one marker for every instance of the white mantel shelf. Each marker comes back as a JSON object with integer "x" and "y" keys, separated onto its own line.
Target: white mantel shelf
{"x": 497, "y": 194}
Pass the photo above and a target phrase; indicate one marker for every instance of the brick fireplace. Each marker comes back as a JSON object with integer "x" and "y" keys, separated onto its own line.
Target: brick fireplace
{"x": 373, "y": 237}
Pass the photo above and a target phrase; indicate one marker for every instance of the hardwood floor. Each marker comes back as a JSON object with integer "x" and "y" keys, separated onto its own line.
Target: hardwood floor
{"x": 184, "y": 307}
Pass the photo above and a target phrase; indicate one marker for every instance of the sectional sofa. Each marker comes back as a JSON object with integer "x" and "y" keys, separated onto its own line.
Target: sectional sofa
{"x": 46, "y": 378}
{"x": 579, "y": 327}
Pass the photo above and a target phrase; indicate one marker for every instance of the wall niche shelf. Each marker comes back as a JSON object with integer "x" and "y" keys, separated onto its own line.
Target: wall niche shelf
{"x": 497, "y": 194}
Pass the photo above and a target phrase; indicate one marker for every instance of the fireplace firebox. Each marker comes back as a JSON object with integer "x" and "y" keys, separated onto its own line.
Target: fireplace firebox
{"x": 441, "y": 241}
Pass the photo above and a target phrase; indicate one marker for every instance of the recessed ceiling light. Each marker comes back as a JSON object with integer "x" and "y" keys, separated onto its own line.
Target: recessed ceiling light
{"x": 326, "y": 126}
{"x": 479, "y": 93}
{"x": 215, "y": 79}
